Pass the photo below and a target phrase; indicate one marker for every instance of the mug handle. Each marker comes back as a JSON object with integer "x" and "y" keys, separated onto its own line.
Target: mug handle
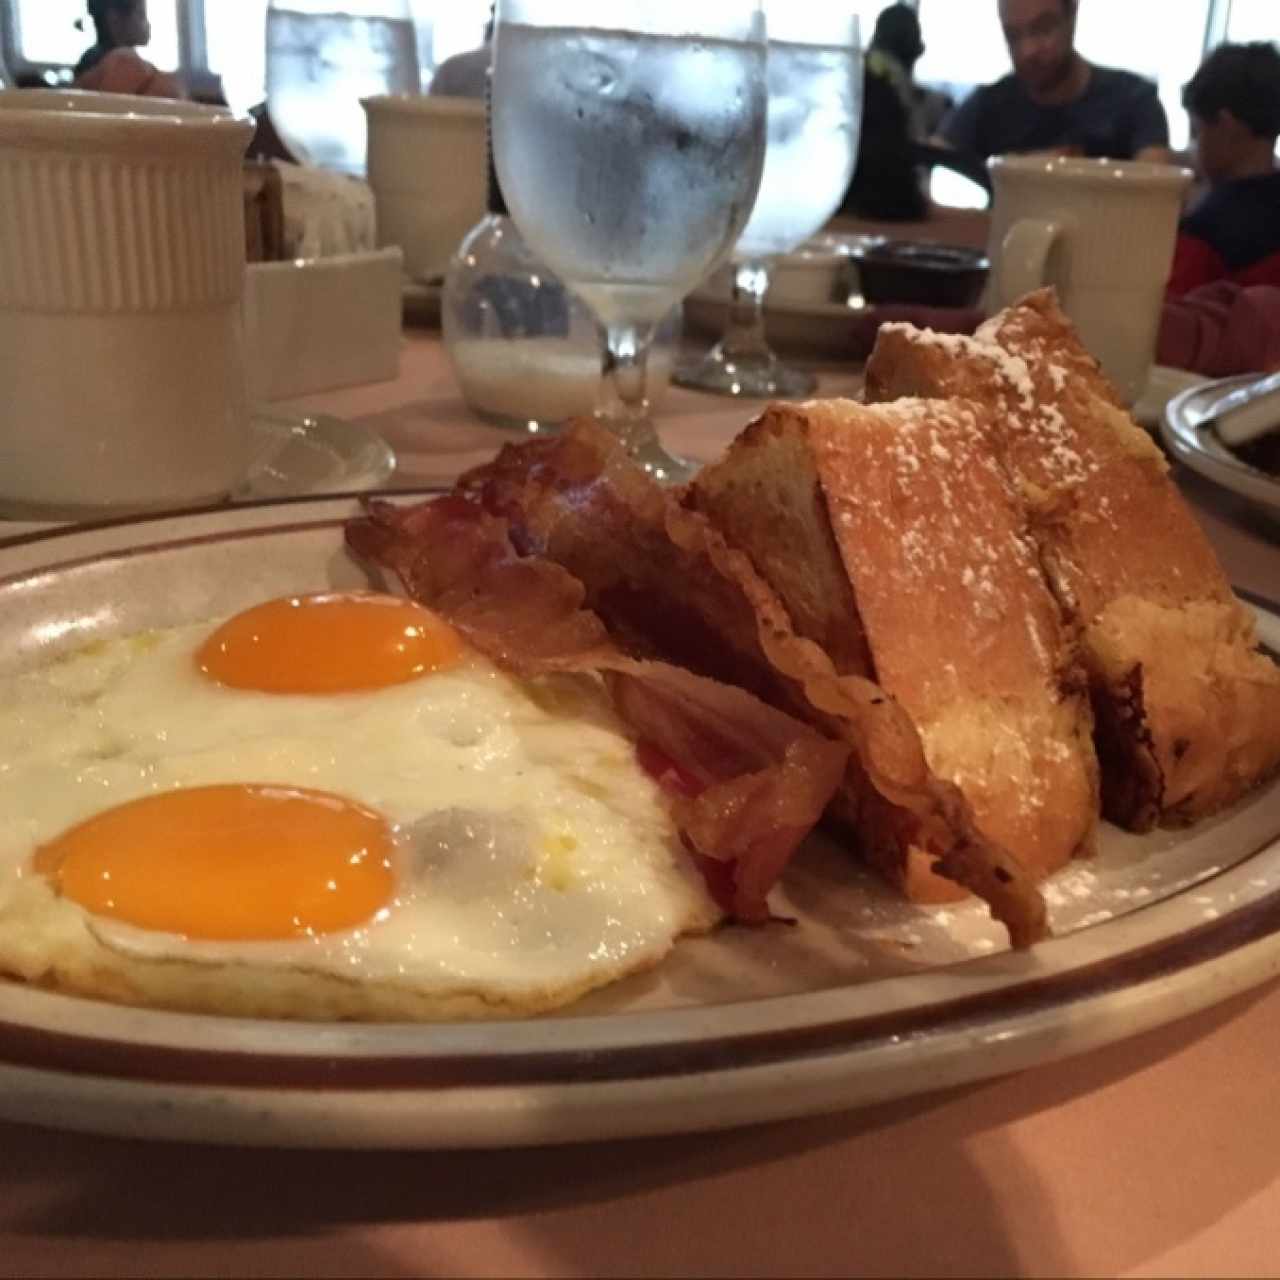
{"x": 1023, "y": 255}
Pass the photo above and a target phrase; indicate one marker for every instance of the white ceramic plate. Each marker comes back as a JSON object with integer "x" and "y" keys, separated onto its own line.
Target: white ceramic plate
{"x": 1198, "y": 446}
{"x": 863, "y": 999}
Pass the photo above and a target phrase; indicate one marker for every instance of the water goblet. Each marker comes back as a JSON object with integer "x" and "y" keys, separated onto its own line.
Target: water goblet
{"x": 815, "y": 116}
{"x": 321, "y": 59}
{"x": 629, "y": 149}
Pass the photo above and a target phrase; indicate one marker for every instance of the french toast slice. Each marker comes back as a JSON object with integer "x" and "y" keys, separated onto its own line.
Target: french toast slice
{"x": 895, "y": 528}
{"x": 1187, "y": 708}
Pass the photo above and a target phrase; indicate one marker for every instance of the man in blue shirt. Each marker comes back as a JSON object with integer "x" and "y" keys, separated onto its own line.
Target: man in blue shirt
{"x": 1055, "y": 100}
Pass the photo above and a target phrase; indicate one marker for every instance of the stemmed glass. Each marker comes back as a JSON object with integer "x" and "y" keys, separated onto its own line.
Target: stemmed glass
{"x": 815, "y": 117}
{"x": 322, "y": 58}
{"x": 629, "y": 148}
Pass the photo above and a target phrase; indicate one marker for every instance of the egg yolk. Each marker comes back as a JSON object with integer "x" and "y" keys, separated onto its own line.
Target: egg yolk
{"x": 228, "y": 863}
{"x": 335, "y": 643}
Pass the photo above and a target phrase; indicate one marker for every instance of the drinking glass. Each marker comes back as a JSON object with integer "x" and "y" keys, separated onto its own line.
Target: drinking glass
{"x": 322, "y": 58}
{"x": 629, "y": 149}
{"x": 815, "y": 116}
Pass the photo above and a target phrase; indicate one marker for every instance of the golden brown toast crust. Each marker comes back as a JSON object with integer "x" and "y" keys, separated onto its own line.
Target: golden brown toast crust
{"x": 768, "y": 501}
{"x": 905, "y": 506}
{"x": 1188, "y": 714}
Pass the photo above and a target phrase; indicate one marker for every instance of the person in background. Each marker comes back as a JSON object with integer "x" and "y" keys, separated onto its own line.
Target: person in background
{"x": 886, "y": 182}
{"x": 896, "y": 46}
{"x": 1233, "y": 231}
{"x": 1055, "y": 100}
{"x": 466, "y": 75}
{"x": 112, "y": 64}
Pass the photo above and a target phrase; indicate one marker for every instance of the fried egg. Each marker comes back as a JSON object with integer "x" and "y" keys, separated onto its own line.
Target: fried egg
{"x": 327, "y": 807}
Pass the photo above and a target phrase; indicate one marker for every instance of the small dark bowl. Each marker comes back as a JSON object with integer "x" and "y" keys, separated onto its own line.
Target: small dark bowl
{"x": 935, "y": 275}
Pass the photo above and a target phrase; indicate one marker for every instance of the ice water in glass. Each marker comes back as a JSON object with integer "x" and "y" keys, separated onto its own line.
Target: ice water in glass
{"x": 814, "y": 116}
{"x": 628, "y": 159}
{"x": 322, "y": 60}
{"x": 629, "y": 154}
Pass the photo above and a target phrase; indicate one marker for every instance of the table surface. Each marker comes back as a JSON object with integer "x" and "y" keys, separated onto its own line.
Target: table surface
{"x": 1158, "y": 1156}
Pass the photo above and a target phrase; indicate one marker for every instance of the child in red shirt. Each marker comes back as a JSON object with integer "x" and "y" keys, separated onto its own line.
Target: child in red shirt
{"x": 1233, "y": 232}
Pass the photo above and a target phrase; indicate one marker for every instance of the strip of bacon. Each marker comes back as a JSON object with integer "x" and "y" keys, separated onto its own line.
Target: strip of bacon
{"x": 760, "y": 779}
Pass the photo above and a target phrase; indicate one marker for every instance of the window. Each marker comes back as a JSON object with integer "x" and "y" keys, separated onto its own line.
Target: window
{"x": 1160, "y": 39}
{"x": 236, "y": 43}
{"x": 46, "y": 35}
{"x": 225, "y": 37}
{"x": 867, "y": 11}
{"x": 235, "y": 38}
{"x": 964, "y": 45}
{"x": 1253, "y": 20}
{"x": 454, "y": 26}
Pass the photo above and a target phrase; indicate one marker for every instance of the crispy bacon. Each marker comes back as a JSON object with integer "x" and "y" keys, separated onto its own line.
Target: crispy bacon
{"x": 759, "y": 779}
{"x": 665, "y": 581}
{"x": 760, "y": 770}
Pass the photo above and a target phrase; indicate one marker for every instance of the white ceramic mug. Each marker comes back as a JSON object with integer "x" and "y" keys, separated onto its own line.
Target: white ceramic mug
{"x": 1102, "y": 233}
{"x": 428, "y": 172}
{"x": 122, "y": 381}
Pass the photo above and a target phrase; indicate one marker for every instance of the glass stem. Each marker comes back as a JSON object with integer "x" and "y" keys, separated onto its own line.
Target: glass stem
{"x": 624, "y": 400}
{"x": 744, "y": 336}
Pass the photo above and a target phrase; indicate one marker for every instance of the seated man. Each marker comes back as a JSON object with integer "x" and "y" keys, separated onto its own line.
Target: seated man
{"x": 1233, "y": 232}
{"x": 1055, "y": 100}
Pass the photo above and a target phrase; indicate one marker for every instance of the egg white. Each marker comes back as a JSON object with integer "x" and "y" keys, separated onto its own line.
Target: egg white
{"x": 535, "y": 859}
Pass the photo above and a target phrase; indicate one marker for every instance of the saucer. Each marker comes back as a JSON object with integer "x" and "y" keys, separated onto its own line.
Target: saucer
{"x": 290, "y": 456}
{"x": 312, "y": 455}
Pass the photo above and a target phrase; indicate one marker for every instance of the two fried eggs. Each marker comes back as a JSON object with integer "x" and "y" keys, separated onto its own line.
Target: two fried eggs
{"x": 327, "y": 807}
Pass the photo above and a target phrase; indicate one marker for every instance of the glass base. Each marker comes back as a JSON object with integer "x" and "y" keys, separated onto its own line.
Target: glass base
{"x": 761, "y": 376}
{"x": 535, "y": 428}
{"x": 644, "y": 448}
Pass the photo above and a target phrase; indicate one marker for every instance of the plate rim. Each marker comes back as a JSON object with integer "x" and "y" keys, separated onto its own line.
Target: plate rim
{"x": 331, "y": 1056}
{"x": 1182, "y": 436}
{"x": 422, "y": 1070}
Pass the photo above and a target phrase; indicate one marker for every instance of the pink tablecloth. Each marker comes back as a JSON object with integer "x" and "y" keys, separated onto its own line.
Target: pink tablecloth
{"x": 1159, "y": 1156}
{"x": 424, "y": 418}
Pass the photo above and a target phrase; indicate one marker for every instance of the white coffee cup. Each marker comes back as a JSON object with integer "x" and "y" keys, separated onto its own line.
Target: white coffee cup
{"x": 1102, "y": 232}
{"x": 122, "y": 381}
{"x": 428, "y": 172}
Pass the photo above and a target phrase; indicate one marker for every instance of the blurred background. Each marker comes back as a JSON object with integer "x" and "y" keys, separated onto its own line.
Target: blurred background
{"x": 206, "y": 40}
